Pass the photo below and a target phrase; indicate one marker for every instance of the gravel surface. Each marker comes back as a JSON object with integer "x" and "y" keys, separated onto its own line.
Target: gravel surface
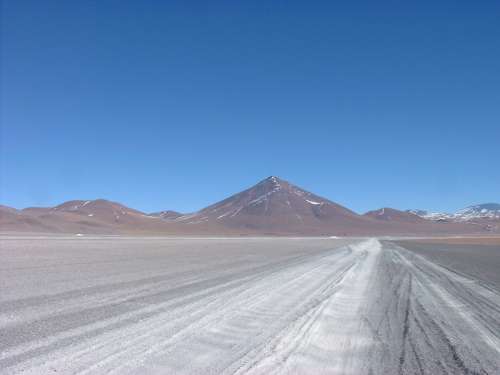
{"x": 227, "y": 306}
{"x": 481, "y": 262}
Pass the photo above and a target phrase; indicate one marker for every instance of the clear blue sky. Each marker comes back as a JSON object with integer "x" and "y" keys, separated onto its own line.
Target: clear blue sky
{"x": 175, "y": 105}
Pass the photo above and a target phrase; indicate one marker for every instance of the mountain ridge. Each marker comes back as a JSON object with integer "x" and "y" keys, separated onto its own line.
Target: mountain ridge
{"x": 273, "y": 206}
{"x": 478, "y": 211}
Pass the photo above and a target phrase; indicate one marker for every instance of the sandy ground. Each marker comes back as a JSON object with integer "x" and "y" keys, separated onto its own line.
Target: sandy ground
{"x": 491, "y": 241}
{"x": 481, "y": 262}
{"x": 230, "y": 306}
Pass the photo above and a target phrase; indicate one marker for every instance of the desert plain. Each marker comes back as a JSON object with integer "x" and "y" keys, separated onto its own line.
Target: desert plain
{"x": 136, "y": 305}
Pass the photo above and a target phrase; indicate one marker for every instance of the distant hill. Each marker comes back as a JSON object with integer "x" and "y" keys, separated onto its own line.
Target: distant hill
{"x": 82, "y": 216}
{"x": 393, "y": 215}
{"x": 166, "y": 215}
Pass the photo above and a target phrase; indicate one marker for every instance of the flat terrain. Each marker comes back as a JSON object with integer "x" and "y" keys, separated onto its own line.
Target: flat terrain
{"x": 477, "y": 261}
{"x": 224, "y": 306}
{"x": 483, "y": 240}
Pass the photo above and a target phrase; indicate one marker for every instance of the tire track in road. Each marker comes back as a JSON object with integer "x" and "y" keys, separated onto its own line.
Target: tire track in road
{"x": 450, "y": 320}
{"x": 371, "y": 307}
{"x": 186, "y": 314}
{"x": 248, "y": 321}
{"x": 330, "y": 338}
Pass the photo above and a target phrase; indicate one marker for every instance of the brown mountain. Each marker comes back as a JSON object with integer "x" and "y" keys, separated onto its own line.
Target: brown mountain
{"x": 393, "y": 215}
{"x": 100, "y": 209}
{"x": 7, "y": 209}
{"x": 275, "y": 206}
{"x": 12, "y": 219}
{"x": 84, "y": 216}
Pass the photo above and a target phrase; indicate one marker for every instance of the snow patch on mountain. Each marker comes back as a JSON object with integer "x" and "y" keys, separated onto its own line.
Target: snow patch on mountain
{"x": 486, "y": 210}
{"x": 313, "y": 202}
